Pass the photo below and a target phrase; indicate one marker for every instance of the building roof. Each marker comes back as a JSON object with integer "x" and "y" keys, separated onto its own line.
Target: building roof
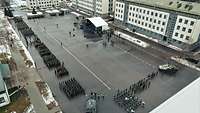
{"x": 176, "y": 5}
{"x": 2, "y": 87}
{"x": 98, "y": 21}
{"x": 185, "y": 101}
{"x": 5, "y": 71}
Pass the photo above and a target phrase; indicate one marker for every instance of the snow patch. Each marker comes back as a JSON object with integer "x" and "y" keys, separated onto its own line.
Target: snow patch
{"x": 132, "y": 39}
{"x": 185, "y": 62}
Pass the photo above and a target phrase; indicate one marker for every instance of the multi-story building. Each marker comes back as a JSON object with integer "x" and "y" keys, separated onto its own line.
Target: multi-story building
{"x": 171, "y": 22}
{"x": 94, "y": 7}
{"x": 42, "y": 3}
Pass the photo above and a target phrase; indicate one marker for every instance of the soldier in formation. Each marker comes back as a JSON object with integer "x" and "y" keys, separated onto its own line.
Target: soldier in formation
{"x": 71, "y": 88}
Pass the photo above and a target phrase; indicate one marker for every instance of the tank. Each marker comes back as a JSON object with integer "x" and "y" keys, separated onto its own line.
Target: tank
{"x": 91, "y": 106}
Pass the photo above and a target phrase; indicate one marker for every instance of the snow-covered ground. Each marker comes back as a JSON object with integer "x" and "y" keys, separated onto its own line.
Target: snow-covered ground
{"x": 185, "y": 62}
{"x": 17, "y": 3}
{"x": 132, "y": 39}
{"x": 20, "y": 44}
{"x": 156, "y": 40}
{"x": 75, "y": 13}
{"x": 48, "y": 96}
{"x": 29, "y": 109}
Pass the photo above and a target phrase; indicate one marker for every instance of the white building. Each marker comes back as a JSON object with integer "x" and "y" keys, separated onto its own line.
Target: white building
{"x": 43, "y": 3}
{"x": 94, "y": 7}
{"x": 171, "y": 22}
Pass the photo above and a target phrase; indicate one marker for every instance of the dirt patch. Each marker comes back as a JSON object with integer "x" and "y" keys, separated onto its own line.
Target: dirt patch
{"x": 19, "y": 102}
{"x": 43, "y": 88}
{"x": 27, "y": 62}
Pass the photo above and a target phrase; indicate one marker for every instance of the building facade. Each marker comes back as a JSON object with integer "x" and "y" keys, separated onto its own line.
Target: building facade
{"x": 171, "y": 23}
{"x": 43, "y": 3}
{"x": 94, "y": 7}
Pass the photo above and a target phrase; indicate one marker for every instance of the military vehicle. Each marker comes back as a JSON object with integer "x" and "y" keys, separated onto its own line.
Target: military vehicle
{"x": 167, "y": 68}
{"x": 91, "y": 106}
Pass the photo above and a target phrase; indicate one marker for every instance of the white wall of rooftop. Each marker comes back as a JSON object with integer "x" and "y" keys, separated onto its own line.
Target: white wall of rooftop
{"x": 185, "y": 30}
{"x": 100, "y": 6}
{"x": 42, "y": 3}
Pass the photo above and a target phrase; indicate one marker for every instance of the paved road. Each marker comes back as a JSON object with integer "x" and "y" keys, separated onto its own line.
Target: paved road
{"x": 102, "y": 69}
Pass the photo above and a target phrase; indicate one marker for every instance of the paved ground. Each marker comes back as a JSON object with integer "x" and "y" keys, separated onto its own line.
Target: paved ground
{"x": 103, "y": 69}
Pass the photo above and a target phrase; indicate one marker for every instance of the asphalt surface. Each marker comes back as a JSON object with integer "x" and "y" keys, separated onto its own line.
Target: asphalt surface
{"x": 103, "y": 69}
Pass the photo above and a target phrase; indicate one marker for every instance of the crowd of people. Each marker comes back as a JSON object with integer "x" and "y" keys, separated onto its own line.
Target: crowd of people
{"x": 128, "y": 100}
{"x": 71, "y": 88}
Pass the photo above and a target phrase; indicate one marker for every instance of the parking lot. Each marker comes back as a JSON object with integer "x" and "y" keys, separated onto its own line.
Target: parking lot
{"x": 102, "y": 69}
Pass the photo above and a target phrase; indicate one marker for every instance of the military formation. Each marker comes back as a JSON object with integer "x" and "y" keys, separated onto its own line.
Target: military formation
{"x": 128, "y": 98}
{"x": 24, "y": 29}
{"x": 71, "y": 88}
{"x": 143, "y": 83}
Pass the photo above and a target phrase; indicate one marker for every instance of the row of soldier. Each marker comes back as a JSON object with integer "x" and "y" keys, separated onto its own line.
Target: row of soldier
{"x": 71, "y": 88}
{"x": 49, "y": 59}
{"x": 143, "y": 84}
{"x": 128, "y": 100}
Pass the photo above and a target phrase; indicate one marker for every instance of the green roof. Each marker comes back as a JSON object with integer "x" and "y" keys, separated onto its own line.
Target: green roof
{"x": 5, "y": 71}
{"x": 176, "y": 5}
{"x": 2, "y": 87}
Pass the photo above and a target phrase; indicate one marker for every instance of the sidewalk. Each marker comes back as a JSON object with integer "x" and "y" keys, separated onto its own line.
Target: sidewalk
{"x": 27, "y": 77}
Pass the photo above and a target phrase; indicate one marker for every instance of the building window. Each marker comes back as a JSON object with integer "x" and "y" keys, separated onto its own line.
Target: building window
{"x": 192, "y": 23}
{"x": 187, "y": 37}
{"x": 150, "y": 19}
{"x": 129, "y": 14}
{"x": 158, "y": 21}
{"x": 152, "y": 13}
{"x": 147, "y": 18}
{"x": 176, "y": 34}
{"x": 160, "y": 15}
{"x": 149, "y": 25}
{"x": 186, "y": 22}
{"x": 147, "y": 12}
{"x": 142, "y": 23}
{"x": 143, "y": 17}
{"x": 130, "y": 8}
{"x": 153, "y": 27}
{"x": 189, "y": 30}
{"x": 156, "y": 14}
{"x": 2, "y": 100}
{"x": 178, "y": 27}
{"x": 146, "y": 24}
{"x": 161, "y": 29}
{"x": 163, "y": 23}
{"x": 180, "y": 20}
{"x": 132, "y": 14}
{"x": 157, "y": 28}
{"x": 155, "y": 21}
{"x": 165, "y": 16}
{"x": 144, "y": 11}
{"x": 181, "y": 36}
{"x": 183, "y": 29}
